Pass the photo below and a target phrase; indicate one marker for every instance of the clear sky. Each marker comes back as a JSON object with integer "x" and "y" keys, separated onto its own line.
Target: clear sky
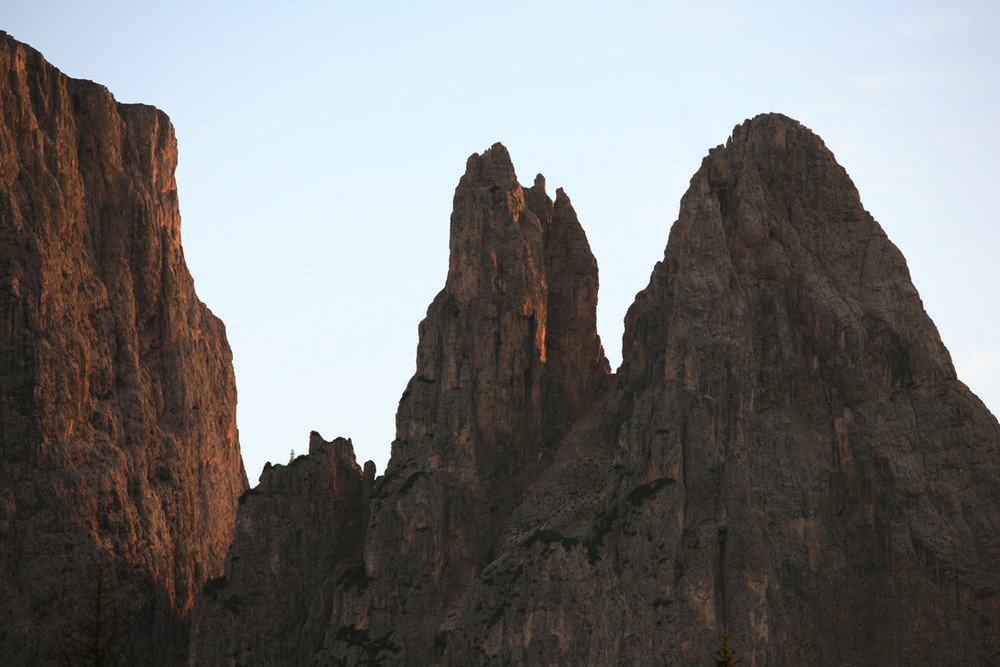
{"x": 321, "y": 142}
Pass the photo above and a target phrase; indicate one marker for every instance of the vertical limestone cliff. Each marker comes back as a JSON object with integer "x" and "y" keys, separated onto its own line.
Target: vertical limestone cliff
{"x": 120, "y": 464}
{"x": 785, "y": 452}
{"x": 508, "y": 362}
{"x": 835, "y": 493}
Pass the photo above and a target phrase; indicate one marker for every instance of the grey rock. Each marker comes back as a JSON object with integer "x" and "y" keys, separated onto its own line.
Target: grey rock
{"x": 785, "y": 452}
{"x": 301, "y": 523}
{"x": 508, "y": 360}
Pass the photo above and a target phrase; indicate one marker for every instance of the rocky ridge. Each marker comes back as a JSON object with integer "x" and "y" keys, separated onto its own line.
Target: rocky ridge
{"x": 508, "y": 360}
{"x": 836, "y": 493}
{"x": 121, "y": 463}
{"x": 785, "y": 452}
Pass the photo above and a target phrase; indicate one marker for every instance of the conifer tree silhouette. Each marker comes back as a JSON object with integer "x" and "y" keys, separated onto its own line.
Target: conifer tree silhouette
{"x": 725, "y": 655}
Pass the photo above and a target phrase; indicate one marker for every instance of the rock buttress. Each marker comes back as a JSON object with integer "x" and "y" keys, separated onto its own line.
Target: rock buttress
{"x": 786, "y": 451}
{"x": 121, "y": 464}
{"x": 836, "y": 494}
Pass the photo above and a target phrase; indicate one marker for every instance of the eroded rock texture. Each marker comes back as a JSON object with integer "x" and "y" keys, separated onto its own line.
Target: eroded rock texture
{"x": 830, "y": 488}
{"x": 294, "y": 529}
{"x": 786, "y": 450}
{"x": 508, "y": 360}
{"x": 120, "y": 461}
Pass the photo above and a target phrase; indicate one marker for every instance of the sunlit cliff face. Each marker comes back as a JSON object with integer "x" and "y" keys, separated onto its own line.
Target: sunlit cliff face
{"x": 117, "y": 381}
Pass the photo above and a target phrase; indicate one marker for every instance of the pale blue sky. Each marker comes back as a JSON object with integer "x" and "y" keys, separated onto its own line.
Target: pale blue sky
{"x": 321, "y": 142}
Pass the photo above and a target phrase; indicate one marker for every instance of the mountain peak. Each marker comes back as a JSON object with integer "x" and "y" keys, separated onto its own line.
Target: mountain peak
{"x": 493, "y": 167}
{"x": 785, "y": 455}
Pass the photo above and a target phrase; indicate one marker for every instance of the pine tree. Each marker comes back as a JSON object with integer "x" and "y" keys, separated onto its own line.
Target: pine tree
{"x": 725, "y": 655}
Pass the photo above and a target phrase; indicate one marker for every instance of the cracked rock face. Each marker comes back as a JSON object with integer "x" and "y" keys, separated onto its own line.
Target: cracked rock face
{"x": 786, "y": 452}
{"x": 508, "y": 360}
{"x": 120, "y": 462}
{"x": 796, "y": 458}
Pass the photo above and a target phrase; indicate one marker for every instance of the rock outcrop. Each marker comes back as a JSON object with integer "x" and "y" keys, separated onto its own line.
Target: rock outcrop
{"x": 508, "y": 360}
{"x": 301, "y": 523}
{"x": 834, "y": 496}
{"x": 120, "y": 464}
{"x": 785, "y": 452}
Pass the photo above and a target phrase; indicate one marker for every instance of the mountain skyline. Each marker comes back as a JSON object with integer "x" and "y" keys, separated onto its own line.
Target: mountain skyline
{"x": 785, "y": 454}
{"x": 319, "y": 147}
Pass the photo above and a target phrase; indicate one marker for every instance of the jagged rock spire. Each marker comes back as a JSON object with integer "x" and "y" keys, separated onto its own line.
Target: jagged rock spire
{"x": 508, "y": 358}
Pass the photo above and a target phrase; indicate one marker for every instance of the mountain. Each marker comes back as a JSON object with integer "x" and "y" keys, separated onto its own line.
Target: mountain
{"x": 785, "y": 452}
{"x": 120, "y": 466}
{"x": 785, "y": 456}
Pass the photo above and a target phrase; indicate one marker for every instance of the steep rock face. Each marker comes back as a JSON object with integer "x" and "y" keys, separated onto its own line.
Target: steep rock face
{"x": 787, "y": 453}
{"x": 294, "y": 529}
{"x": 508, "y": 360}
{"x": 120, "y": 456}
{"x": 836, "y": 494}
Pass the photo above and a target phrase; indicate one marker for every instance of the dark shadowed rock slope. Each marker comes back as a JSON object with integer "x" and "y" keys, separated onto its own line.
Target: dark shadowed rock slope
{"x": 836, "y": 496}
{"x": 508, "y": 361}
{"x": 119, "y": 460}
{"x": 785, "y": 451}
{"x": 301, "y": 523}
